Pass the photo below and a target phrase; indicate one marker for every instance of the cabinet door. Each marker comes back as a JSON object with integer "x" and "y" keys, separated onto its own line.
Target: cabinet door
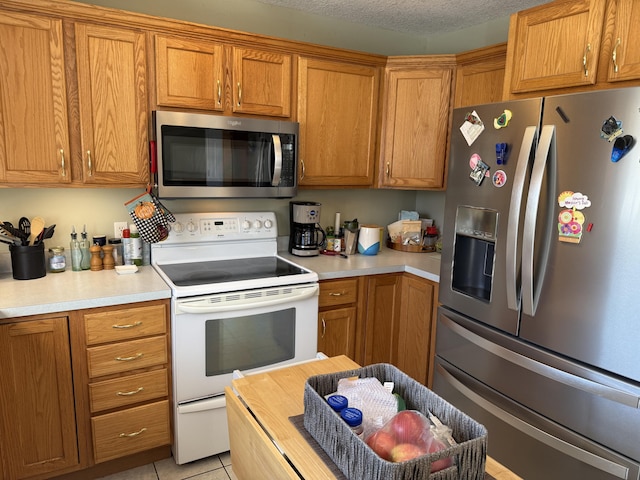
{"x": 337, "y": 111}
{"x": 416, "y": 320}
{"x": 555, "y": 45}
{"x": 261, "y": 82}
{"x": 480, "y": 76}
{"x": 416, "y": 122}
{"x": 625, "y": 56}
{"x": 36, "y": 395}
{"x": 113, "y": 105}
{"x": 34, "y": 131}
{"x": 381, "y": 318}
{"x": 336, "y": 332}
{"x": 189, "y": 73}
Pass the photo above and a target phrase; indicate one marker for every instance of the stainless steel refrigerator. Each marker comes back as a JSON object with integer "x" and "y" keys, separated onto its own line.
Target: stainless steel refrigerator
{"x": 538, "y": 335}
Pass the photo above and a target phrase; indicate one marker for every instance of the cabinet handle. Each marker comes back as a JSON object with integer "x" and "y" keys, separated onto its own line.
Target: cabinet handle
{"x": 301, "y": 169}
{"x": 388, "y": 169}
{"x": 64, "y": 172}
{"x": 324, "y": 327}
{"x": 128, "y": 359}
{"x": 89, "y": 163}
{"x": 584, "y": 60}
{"x": 336, "y": 294}
{"x": 134, "y": 434}
{"x": 239, "y": 94}
{"x": 219, "y": 93}
{"x": 615, "y": 56}
{"x": 132, "y": 392}
{"x": 130, "y": 325}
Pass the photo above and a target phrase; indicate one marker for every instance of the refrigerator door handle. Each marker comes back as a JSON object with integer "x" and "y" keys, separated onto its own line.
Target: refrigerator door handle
{"x": 545, "y": 157}
{"x": 554, "y": 374}
{"x": 513, "y": 224}
{"x": 584, "y": 456}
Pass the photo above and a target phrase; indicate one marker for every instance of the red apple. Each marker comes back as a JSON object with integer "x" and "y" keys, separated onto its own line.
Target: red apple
{"x": 406, "y": 451}
{"x": 408, "y": 426}
{"x": 382, "y": 443}
{"x": 435, "y": 446}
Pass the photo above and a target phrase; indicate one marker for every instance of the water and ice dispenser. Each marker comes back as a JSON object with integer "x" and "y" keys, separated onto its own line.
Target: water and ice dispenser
{"x": 474, "y": 251}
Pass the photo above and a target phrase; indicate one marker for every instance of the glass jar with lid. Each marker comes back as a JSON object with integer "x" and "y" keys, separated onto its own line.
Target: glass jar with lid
{"x": 57, "y": 261}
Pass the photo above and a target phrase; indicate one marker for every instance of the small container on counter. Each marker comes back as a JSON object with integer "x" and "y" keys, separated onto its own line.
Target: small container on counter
{"x": 430, "y": 239}
{"x": 117, "y": 250}
{"x": 57, "y": 260}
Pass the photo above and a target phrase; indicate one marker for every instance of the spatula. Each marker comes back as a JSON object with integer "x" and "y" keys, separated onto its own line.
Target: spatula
{"x": 37, "y": 225}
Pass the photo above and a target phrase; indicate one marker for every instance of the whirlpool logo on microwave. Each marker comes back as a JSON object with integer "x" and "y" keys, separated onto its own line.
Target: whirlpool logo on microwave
{"x": 234, "y": 123}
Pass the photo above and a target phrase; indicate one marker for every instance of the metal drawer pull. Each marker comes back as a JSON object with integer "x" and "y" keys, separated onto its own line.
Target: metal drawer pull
{"x": 615, "y": 56}
{"x": 64, "y": 172}
{"x": 89, "y": 163}
{"x": 584, "y": 60}
{"x": 132, "y": 392}
{"x": 336, "y": 294}
{"x": 130, "y": 325}
{"x": 128, "y": 359}
{"x": 324, "y": 327}
{"x": 134, "y": 434}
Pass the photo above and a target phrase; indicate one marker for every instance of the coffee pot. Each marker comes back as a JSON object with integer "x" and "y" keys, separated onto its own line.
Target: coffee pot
{"x": 306, "y": 236}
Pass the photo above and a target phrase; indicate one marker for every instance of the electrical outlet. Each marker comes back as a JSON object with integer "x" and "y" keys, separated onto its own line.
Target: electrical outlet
{"x": 118, "y": 227}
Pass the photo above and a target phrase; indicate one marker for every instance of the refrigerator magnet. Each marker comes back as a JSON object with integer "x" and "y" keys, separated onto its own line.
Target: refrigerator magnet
{"x": 472, "y": 127}
{"x": 503, "y": 120}
{"x": 499, "y": 178}
{"x": 479, "y": 169}
{"x": 571, "y": 219}
{"x": 621, "y": 147}
{"x": 611, "y": 129}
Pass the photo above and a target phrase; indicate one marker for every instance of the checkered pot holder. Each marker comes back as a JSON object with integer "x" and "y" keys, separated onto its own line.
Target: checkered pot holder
{"x": 150, "y": 216}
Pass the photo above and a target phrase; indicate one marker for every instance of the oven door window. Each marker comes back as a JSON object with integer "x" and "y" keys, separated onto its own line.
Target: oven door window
{"x": 253, "y": 341}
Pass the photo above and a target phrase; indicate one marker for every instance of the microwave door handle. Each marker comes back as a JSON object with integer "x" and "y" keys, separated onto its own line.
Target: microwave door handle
{"x": 277, "y": 169}
{"x": 515, "y": 206}
{"x": 545, "y": 162}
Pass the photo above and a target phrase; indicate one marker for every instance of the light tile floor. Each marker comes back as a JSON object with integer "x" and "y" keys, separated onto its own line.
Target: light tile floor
{"x": 216, "y": 467}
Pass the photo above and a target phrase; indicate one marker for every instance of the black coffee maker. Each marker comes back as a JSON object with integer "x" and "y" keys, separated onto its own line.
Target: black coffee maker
{"x": 306, "y": 236}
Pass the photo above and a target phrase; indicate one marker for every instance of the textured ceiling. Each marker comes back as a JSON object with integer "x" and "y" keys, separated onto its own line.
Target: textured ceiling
{"x": 422, "y": 17}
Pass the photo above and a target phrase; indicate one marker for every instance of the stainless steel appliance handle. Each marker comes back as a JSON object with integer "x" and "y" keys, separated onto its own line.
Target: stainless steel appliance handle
{"x": 545, "y": 157}
{"x": 584, "y": 456}
{"x": 234, "y": 301}
{"x": 560, "y": 376}
{"x": 513, "y": 222}
{"x": 277, "y": 168}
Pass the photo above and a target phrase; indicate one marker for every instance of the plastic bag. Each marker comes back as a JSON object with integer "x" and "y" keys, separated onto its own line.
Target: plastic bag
{"x": 408, "y": 435}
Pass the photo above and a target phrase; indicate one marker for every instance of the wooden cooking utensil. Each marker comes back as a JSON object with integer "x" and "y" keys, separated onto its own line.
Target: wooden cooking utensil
{"x": 37, "y": 225}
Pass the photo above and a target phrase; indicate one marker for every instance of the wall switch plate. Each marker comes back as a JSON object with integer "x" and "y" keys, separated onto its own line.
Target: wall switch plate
{"x": 118, "y": 227}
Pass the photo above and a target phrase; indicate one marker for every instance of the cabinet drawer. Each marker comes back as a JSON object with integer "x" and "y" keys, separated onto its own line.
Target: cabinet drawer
{"x": 130, "y": 431}
{"x": 121, "y": 392}
{"x": 125, "y": 356}
{"x": 126, "y": 323}
{"x": 338, "y": 292}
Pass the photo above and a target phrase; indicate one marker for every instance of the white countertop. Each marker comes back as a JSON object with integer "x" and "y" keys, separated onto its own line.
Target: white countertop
{"x": 69, "y": 290}
{"x": 425, "y": 265}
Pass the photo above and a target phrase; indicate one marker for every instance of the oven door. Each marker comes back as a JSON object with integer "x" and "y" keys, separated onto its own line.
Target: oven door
{"x": 214, "y": 335}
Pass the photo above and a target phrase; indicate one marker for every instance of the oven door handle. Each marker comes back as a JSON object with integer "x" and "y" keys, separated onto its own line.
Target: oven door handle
{"x": 238, "y": 301}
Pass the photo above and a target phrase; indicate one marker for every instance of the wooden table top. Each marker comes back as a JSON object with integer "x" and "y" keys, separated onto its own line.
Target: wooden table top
{"x": 277, "y": 395}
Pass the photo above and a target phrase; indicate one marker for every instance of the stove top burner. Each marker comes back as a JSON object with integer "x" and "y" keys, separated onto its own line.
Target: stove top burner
{"x": 220, "y": 271}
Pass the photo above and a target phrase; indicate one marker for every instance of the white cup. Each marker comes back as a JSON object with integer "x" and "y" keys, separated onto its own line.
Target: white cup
{"x": 369, "y": 240}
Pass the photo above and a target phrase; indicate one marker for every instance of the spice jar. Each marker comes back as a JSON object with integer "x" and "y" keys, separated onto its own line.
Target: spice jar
{"x": 353, "y": 418}
{"x": 430, "y": 239}
{"x": 57, "y": 260}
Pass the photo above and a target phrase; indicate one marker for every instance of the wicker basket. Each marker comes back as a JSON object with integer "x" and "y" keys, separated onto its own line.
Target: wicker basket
{"x": 357, "y": 461}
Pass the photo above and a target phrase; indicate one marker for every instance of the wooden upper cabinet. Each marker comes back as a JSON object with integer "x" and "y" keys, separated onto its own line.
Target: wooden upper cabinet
{"x": 189, "y": 73}
{"x": 112, "y": 91}
{"x": 34, "y": 130}
{"x": 415, "y": 126}
{"x": 624, "y": 45}
{"x": 203, "y": 74}
{"x": 261, "y": 82}
{"x": 480, "y": 76}
{"x": 555, "y": 45}
{"x": 337, "y": 112}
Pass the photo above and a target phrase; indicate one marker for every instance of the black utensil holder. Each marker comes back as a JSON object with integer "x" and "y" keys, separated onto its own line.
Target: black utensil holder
{"x": 28, "y": 262}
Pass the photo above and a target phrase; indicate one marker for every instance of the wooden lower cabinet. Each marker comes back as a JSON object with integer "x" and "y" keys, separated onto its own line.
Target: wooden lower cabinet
{"x": 398, "y": 323}
{"x": 337, "y": 317}
{"x": 38, "y": 428}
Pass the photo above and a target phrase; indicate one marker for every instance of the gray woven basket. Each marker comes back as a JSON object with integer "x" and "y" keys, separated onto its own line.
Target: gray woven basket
{"x": 354, "y": 457}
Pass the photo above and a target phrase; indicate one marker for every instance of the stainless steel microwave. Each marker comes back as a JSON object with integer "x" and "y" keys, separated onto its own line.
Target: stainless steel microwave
{"x": 214, "y": 156}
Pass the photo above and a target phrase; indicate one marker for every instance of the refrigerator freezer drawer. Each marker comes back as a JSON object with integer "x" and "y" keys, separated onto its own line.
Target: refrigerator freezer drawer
{"x": 595, "y": 406}
{"x": 530, "y": 445}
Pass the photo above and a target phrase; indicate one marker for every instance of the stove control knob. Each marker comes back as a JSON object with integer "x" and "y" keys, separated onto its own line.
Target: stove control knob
{"x": 191, "y": 227}
{"x": 257, "y": 224}
{"x": 177, "y": 227}
{"x": 268, "y": 224}
{"x": 246, "y": 225}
